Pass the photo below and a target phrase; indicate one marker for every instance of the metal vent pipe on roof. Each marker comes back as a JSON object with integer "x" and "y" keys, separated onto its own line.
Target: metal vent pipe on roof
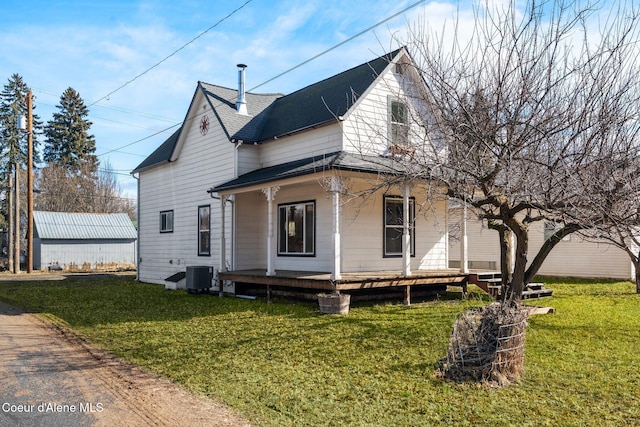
{"x": 241, "y": 103}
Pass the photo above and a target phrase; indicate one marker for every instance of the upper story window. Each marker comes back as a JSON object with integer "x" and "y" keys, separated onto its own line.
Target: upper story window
{"x": 398, "y": 123}
{"x": 296, "y": 229}
{"x": 204, "y": 230}
{"x": 166, "y": 221}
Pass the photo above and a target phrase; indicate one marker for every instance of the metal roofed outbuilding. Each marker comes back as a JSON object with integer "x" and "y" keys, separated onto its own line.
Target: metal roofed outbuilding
{"x": 83, "y": 241}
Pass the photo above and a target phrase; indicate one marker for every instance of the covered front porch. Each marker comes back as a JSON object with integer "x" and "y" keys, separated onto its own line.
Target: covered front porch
{"x": 299, "y": 283}
{"x": 334, "y": 224}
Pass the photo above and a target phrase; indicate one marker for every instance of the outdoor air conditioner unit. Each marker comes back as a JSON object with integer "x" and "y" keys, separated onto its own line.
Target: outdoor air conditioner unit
{"x": 199, "y": 278}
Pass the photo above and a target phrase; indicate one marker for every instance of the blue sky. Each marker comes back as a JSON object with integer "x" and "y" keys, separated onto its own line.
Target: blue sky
{"x": 96, "y": 47}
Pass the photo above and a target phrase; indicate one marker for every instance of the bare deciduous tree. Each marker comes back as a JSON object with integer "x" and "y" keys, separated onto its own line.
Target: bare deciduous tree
{"x": 62, "y": 191}
{"x": 537, "y": 112}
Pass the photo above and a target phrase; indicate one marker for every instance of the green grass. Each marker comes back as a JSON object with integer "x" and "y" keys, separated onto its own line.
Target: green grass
{"x": 285, "y": 364}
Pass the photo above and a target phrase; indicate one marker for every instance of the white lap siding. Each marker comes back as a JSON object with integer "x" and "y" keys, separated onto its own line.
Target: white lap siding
{"x": 181, "y": 186}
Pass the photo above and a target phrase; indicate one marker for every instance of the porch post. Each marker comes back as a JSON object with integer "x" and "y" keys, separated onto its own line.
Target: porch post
{"x": 270, "y": 192}
{"x": 336, "y": 186}
{"x": 223, "y": 243}
{"x": 464, "y": 251}
{"x": 406, "y": 235}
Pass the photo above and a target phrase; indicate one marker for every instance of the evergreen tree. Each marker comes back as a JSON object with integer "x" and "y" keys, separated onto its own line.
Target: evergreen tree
{"x": 13, "y": 141}
{"x": 68, "y": 142}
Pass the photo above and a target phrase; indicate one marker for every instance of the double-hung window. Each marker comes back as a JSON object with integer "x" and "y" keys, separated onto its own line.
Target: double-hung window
{"x": 204, "y": 230}
{"x": 296, "y": 228}
{"x": 394, "y": 224}
{"x": 398, "y": 123}
{"x": 166, "y": 222}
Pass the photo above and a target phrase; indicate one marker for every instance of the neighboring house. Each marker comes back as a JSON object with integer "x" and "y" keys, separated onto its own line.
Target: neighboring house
{"x": 83, "y": 241}
{"x": 572, "y": 257}
{"x": 257, "y": 182}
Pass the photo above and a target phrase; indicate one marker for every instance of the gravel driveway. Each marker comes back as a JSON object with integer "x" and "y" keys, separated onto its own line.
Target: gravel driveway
{"x": 50, "y": 377}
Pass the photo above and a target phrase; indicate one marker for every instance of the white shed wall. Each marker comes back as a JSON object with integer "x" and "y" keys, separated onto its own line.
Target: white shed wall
{"x": 85, "y": 254}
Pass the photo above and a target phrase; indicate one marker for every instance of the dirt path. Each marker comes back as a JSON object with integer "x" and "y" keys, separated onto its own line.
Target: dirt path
{"x": 49, "y": 377}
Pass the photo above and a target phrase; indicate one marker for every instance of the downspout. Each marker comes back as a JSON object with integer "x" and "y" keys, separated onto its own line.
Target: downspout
{"x": 234, "y": 239}
{"x": 137, "y": 178}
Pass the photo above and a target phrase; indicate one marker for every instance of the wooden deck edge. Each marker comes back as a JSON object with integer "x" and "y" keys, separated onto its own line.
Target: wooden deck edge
{"x": 346, "y": 283}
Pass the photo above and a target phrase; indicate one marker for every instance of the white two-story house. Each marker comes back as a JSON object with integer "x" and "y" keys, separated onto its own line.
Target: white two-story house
{"x": 270, "y": 187}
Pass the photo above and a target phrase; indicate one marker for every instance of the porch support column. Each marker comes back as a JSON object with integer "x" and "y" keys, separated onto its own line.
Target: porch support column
{"x": 270, "y": 192}
{"x": 336, "y": 187}
{"x": 406, "y": 235}
{"x": 223, "y": 243}
{"x": 464, "y": 248}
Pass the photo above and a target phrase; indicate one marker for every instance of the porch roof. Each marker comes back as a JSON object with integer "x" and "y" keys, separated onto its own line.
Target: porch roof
{"x": 339, "y": 160}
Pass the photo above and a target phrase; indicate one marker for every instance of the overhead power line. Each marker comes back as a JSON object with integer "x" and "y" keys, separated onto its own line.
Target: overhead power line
{"x": 140, "y": 140}
{"x": 411, "y": 6}
{"x": 172, "y": 53}
{"x": 366, "y": 30}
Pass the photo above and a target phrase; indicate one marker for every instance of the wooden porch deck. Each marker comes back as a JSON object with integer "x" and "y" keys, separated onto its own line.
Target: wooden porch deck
{"x": 357, "y": 281}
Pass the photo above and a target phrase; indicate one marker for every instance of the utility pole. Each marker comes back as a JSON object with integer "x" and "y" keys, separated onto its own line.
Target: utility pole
{"x": 10, "y": 240}
{"x": 29, "y": 183}
{"x": 29, "y": 129}
{"x": 16, "y": 227}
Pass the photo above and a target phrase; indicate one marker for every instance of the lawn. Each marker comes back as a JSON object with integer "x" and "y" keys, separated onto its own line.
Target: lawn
{"x": 284, "y": 364}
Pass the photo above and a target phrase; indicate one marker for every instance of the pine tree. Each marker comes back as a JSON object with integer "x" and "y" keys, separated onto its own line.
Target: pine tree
{"x": 68, "y": 142}
{"x": 13, "y": 142}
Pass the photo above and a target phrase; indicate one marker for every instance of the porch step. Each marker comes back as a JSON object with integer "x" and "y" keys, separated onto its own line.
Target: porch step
{"x": 535, "y": 286}
{"x": 491, "y": 283}
{"x": 538, "y": 293}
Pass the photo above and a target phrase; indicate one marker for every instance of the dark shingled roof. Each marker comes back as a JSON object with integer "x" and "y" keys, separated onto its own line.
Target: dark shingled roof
{"x": 340, "y": 160}
{"x": 321, "y": 102}
{"x": 161, "y": 154}
{"x": 274, "y": 115}
{"x": 238, "y": 126}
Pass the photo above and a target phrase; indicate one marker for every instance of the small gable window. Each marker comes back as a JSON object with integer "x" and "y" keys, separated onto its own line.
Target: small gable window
{"x": 398, "y": 123}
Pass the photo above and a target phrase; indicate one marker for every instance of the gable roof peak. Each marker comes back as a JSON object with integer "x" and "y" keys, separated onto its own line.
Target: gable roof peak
{"x": 273, "y": 115}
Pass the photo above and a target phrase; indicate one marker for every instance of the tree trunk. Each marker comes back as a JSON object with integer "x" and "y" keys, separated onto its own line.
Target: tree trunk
{"x": 518, "y": 279}
{"x": 505, "y": 255}
{"x": 636, "y": 262}
{"x": 522, "y": 246}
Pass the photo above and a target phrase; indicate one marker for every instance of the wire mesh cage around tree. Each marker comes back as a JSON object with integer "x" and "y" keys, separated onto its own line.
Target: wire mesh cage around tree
{"x": 487, "y": 345}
